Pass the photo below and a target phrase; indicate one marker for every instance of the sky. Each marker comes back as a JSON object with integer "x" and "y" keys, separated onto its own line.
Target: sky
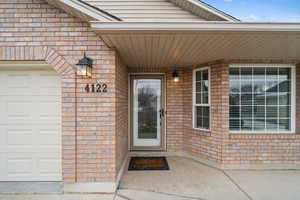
{"x": 260, "y": 10}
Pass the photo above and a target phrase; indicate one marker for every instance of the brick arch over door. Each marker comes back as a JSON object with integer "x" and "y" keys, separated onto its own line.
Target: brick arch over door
{"x": 67, "y": 73}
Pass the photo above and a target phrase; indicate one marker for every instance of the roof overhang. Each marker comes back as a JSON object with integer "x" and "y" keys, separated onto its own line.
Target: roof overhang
{"x": 146, "y": 44}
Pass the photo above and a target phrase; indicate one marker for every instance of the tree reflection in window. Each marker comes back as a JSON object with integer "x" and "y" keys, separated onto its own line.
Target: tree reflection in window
{"x": 147, "y": 112}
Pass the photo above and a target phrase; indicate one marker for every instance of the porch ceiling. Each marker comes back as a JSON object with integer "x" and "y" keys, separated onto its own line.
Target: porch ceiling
{"x": 180, "y": 45}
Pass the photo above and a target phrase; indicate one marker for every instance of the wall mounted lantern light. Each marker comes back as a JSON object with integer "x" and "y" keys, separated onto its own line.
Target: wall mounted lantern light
{"x": 84, "y": 66}
{"x": 175, "y": 76}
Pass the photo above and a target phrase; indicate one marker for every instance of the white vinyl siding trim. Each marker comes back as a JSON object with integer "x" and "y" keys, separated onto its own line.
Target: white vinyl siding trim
{"x": 145, "y": 10}
{"x": 292, "y": 100}
{"x": 194, "y": 104}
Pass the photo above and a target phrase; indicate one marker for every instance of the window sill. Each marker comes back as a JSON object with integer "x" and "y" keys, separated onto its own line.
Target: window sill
{"x": 204, "y": 132}
{"x": 246, "y": 136}
{"x": 202, "y": 129}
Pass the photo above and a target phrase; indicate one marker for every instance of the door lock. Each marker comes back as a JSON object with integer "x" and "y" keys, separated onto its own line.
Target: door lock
{"x": 161, "y": 113}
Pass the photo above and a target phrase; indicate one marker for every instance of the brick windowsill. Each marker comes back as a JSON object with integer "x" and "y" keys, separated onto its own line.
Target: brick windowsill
{"x": 267, "y": 136}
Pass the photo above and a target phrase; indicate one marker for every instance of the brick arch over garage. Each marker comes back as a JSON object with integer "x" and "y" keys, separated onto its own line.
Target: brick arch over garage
{"x": 67, "y": 73}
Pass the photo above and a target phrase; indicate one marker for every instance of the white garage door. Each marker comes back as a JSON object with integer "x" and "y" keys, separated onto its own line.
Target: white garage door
{"x": 30, "y": 125}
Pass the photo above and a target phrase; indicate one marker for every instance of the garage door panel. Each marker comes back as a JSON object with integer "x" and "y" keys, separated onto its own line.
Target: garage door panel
{"x": 30, "y": 126}
{"x": 19, "y": 165}
{"x": 19, "y": 109}
{"x": 21, "y": 138}
{"x": 31, "y": 138}
{"x": 49, "y": 138}
{"x": 17, "y": 80}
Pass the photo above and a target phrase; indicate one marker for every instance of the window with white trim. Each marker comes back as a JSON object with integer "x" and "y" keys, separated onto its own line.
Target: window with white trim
{"x": 201, "y": 99}
{"x": 261, "y": 98}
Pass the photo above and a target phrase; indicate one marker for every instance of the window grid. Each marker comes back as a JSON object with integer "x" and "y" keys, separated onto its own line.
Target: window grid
{"x": 279, "y": 106}
{"x": 201, "y": 105}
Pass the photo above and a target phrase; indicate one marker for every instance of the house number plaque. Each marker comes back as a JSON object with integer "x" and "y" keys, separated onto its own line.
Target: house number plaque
{"x": 96, "y": 88}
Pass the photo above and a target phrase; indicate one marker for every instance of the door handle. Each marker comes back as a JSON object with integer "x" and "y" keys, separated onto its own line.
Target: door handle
{"x": 161, "y": 113}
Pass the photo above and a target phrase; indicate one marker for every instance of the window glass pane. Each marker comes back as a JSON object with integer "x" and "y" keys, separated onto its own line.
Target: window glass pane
{"x": 271, "y": 73}
{"x": 202, "y": 119}
{"x": 259, "y": 112}
{"x": 206, "y": 117}
{"x": 260, "y": 99}
{"x": 205, "y": 75}
{"x": 246, "y": 86}
{"x": 246, "y": 73}
{"x": 272, "y": 98}
{"x": 205, "y": 97}
{"x": 198, "y": 75}
{"x": 272, "y": 124}
{"x": 271, "y": 111}
{"x": 284, "y": 111}
{"x": 198, "y": 86}
{"x": 259, "y": 86}
{"x": 284, "y": 98}
{"x": 234, "y": 111}
{"x": 198, "y": 98}
{"x": 259, "y": 73}
{"x": 246, "y": 124}
{"x": 199, "y": 120}
{"x": 284, "y": 74}
{"x": 259, "y": 124}
{"x": 234, "y": 73}
{"x": 234, "y": 99}
{"x": 234, "y": 124}
{"x": 246, "y": 111}
{"x": 271, "y": 85}
{"x": 235, "y": 86}
{"x": 205, "y": 86}
{"x": 246, "y": 99}
{"x": 284, "y": 125}
{"x": 284, "y": 86}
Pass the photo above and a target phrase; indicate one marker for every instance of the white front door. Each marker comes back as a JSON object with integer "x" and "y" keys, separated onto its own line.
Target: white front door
{"x": 147, "y": 112}
{"x": 30, "y": 125}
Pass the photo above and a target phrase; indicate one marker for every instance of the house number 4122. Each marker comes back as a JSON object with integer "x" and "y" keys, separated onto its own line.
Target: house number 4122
{"x": 96, "y": 88}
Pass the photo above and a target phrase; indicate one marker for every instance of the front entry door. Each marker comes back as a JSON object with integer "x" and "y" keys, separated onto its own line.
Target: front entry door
{"x": 147, "y": 112}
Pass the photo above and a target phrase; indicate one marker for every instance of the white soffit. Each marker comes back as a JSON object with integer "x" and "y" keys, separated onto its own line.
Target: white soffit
{"x": 185, "y": 44}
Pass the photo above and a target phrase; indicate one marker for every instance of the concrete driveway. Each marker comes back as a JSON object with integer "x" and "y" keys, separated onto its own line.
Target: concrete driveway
{"x": 188, "y": 180}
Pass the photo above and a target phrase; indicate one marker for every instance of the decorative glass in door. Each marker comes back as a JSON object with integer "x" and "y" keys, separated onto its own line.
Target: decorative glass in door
{"x": 147, "y": 112}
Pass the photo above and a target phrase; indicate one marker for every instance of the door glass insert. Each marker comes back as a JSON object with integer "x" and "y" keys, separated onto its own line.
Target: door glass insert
{"x": 146, "y": 112}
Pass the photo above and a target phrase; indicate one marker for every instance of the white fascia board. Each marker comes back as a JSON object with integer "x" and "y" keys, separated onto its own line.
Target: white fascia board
{"x": 195, "y": 26}
{"x": 212, "y": 10}
{"x": 87, "y": 10}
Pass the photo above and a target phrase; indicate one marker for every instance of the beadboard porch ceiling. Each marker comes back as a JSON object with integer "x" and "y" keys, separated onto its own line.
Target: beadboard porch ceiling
{"x": 186, "y": 44}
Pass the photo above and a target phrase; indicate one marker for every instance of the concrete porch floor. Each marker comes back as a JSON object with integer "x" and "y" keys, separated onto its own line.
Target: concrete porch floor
{"x": 188, "y": 180}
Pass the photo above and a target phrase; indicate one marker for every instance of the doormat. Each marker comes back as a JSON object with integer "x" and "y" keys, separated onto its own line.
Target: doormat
{"x": 148, "y": 163}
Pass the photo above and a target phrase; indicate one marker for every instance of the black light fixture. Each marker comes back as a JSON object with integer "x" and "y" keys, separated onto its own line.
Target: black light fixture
{"x": 84, "y": 66}
{"x": 175, "y": 76}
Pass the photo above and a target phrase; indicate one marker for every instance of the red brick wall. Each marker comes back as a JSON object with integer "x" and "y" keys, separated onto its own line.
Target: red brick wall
{"x": 34, "y": 30}
{"x": 206, "y": 144}
{"x": 121, "y": 113}
{"x": 175, "y": 113}
{"x": 222, "y": 147}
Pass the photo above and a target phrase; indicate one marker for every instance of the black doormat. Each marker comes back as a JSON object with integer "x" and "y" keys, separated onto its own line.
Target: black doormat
{"x": 148, "y": 163}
